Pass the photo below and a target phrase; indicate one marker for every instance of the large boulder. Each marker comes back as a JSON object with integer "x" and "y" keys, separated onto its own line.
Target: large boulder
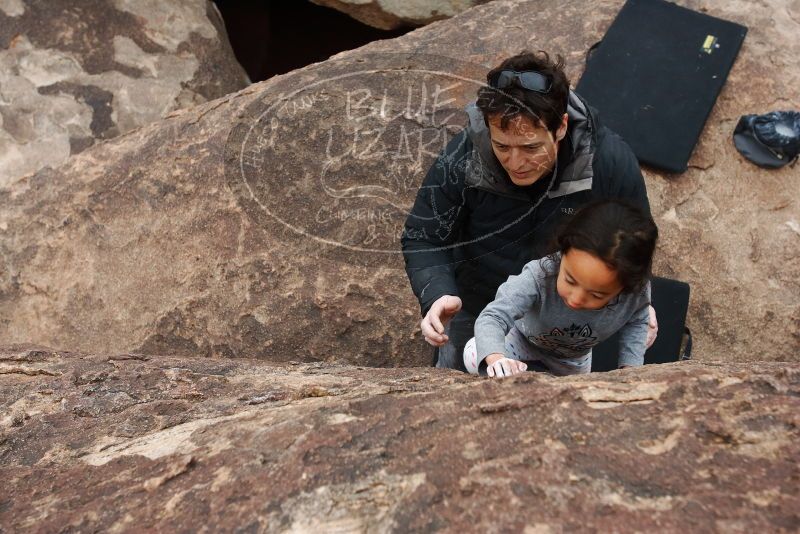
{"x": 266, "y": 223}
{"x": 125, "y": 442}
{"x": 73, "y": 73}
{"x": 392, "y": 14}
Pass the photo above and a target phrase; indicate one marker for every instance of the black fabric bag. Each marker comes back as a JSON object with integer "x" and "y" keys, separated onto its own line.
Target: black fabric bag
{"x": 771, "y": 140}
{"x": 655, "y": 77}
{"x": 671, "y": 301}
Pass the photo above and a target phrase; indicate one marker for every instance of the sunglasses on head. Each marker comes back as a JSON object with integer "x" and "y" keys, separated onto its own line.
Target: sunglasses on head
{"x": 530, "y": 80}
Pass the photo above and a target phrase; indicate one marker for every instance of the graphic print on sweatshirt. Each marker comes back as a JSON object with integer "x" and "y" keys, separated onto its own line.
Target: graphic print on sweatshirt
{"x": 566, "y": 342}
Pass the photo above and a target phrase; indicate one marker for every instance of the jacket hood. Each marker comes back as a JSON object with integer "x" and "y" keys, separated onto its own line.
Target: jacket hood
{"x": 484, "y": 171}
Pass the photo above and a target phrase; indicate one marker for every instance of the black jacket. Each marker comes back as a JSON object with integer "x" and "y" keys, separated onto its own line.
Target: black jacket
{"x": 471, "y": 227}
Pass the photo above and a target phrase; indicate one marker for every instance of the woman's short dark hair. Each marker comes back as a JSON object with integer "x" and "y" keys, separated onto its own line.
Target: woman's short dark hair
{"x": 619, "y": 233}
{"x": 543, "y": 109}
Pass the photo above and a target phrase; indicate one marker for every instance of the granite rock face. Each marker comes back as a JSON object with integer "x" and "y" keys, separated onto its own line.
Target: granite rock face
{"x": 128, "y": 442}
{"x": 266, "y": 223}
{"x": 73, "y": 73}
{"x": 392, "y": 14}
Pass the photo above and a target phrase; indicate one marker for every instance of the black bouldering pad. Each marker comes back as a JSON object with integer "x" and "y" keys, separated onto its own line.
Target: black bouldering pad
{"x": 656, "y": 74}
{"x": 670, "y": 299}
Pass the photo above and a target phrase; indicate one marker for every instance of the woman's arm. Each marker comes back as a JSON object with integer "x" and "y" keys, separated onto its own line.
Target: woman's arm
{"x": 433, "y": 225}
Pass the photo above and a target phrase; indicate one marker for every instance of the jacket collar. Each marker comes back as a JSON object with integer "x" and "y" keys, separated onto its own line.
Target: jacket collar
{"x": 483, "y": 171}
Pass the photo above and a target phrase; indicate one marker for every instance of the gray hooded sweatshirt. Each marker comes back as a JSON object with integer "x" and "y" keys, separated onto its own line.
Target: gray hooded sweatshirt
{"x": 530, "y": 302}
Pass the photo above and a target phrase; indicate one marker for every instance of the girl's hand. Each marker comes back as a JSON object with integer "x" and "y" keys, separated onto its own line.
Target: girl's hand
{"x": 498, "y": 366}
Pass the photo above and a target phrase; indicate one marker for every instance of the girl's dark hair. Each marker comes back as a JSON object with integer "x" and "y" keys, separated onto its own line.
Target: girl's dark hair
{"x": 617, "y": 232}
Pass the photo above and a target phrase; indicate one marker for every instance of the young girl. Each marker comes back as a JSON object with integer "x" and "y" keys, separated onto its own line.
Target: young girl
{"x": 562, "y": 305}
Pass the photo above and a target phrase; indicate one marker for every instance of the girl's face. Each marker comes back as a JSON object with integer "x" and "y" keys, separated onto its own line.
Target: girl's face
{"x": 585, "y": 282}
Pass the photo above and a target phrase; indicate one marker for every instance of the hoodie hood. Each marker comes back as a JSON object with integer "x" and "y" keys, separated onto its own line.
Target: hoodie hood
{"x": 484, "y": 171}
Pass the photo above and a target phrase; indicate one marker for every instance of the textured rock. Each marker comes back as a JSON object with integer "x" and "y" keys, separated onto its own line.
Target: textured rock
{"x": 266, "y": 223}
{"x": 124, "y": 442}
{"x": 391, "y": 14}
{"x": 72, "y": 73}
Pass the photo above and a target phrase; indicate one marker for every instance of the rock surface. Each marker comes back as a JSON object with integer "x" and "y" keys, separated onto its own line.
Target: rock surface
{"x": 265, "y": 224}
{"x": 123, "y": 442}
{"x": 392, "y": 14}
{"x": 72, "y": 73}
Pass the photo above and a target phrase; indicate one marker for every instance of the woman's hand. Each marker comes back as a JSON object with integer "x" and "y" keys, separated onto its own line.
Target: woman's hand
{"x": 652, "y": 327}
{"x": 498, "y": 366}
{"x": 441, "y": 312}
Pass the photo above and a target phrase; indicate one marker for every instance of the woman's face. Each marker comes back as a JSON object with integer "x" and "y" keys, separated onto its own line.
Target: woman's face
{"x": 526, "y": 151}
{"x": 585, "y": 282}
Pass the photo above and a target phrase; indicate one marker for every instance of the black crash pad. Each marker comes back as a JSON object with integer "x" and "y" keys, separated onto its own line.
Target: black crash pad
{"x": 670, "y": 299}
{"x": 656, "y": 74}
